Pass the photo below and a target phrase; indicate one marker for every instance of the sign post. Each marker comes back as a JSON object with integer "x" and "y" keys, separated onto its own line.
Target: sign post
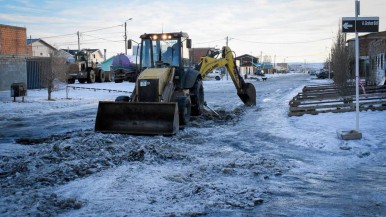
{"x": 350, "y": 25}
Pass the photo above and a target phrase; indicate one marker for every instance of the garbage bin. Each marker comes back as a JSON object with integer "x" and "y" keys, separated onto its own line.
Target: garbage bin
{"x": 18, "y": 90}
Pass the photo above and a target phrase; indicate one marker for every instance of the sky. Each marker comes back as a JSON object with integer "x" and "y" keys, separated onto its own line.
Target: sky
{"x": 282, "y": 30}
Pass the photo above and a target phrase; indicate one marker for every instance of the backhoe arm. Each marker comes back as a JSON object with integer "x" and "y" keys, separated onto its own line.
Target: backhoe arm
{"x": 246, "y": 91}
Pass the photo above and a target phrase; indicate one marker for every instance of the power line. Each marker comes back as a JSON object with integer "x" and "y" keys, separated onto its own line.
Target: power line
{"x": 102, "y": 38}
{"x": 101, "y": 29}
{"x": 299, "y": 42}
{"x": 210, "y": 41}
{"x": 58, "y": 36}
{"x": 71, "y": 34}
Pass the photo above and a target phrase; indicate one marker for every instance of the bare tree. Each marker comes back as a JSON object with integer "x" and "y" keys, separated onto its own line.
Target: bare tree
{"x": 340, "y": 63}
{"x": 54, "y": 69}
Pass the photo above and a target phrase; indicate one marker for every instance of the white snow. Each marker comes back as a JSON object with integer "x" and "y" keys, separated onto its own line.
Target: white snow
{"x": 215, "y": 166}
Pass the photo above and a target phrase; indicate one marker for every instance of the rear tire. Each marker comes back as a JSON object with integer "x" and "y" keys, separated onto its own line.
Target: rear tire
{"x": 108, "y": 77}
{"x": 197, "y": 98}
{"x": 101, "y": 76}
{"x": 184, "y": 109}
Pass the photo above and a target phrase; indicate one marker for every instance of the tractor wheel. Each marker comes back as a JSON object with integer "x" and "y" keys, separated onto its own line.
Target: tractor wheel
{"x": 197, "y": 98}
{"x": 70, "y": 80}
{"x": 184, "y": 109}
{"x": 101, "y": 76}
{"x": 108, "y": 77}
{"x": 91, "y": 76}
{"x": 82, "y": 80}
{"x": 117, "y": 80}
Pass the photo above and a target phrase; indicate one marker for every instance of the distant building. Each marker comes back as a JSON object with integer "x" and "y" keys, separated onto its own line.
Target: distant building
{"x": 40, "y": 48}
{"x": 196, "y": 54}
{"x": 247, "y": 64}
{"x": 282, "y": 67}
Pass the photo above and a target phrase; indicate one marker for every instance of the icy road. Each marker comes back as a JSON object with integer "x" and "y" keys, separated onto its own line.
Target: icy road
{"x": 246, "y": 162}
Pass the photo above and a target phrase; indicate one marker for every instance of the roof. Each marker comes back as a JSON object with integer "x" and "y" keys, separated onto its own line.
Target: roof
{"x": 246, "y": 55}
{"x": 376, "y": 35}
{"x": 31, "y": 41}
{"x": 105, "y": 65}
{"x": 72, "y": 52}
{"x": 264, "y": 65}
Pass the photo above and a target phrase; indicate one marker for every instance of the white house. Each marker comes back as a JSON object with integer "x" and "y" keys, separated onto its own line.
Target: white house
{"x": 40, "y": 48}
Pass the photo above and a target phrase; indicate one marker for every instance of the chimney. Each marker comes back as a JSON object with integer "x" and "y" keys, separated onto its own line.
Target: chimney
{"x": 104, "y": 54}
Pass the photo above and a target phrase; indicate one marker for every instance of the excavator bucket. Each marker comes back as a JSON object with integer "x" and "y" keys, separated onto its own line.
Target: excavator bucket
{"x": 247, "y": 94}
{"x": 137, "y": 118}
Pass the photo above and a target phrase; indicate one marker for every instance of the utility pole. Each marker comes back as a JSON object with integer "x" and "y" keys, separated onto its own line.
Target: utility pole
{"x": 126, "y": 35}
{"x": 125, "y": 39}
{"x": 78, "y": 40}
{"x": 227, "y": 41}
{"x": 274, "y": 61}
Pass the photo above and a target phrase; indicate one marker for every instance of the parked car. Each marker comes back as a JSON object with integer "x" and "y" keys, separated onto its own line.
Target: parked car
{"x": 216, "y": 74}
{"x": 323, "y": 74}
{"x": 259, "y": 72}
{"x": 312, "y": 72}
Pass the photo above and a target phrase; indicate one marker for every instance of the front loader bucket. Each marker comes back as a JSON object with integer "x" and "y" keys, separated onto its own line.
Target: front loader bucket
{"x": 137, "y": 118}
{"x": 248, "y": 94}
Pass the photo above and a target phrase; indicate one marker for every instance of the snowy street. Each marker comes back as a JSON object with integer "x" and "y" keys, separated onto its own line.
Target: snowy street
{"x": 249, "y": 161}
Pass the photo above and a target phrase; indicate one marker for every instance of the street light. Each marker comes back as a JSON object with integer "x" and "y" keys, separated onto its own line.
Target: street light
{"x": 126, "y": 34}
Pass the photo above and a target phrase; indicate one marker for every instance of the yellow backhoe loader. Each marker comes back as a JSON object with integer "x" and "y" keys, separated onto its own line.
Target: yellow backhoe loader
{"x": 168, "y": 90}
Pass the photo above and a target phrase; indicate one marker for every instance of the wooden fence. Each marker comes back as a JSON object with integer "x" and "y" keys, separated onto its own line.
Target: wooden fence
{"x": 317, "y": 99}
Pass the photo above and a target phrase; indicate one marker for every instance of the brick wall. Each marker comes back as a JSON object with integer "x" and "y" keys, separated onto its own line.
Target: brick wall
{"x": 12, "y": 70}
{"x": 13, "y": 40}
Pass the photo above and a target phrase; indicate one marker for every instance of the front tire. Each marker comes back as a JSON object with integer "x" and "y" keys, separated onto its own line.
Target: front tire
{"x": 71, "y": 81}
{"x": 197, "y": 98}
{"x": 82, "y": 80}
{"x": 184, "y": 110}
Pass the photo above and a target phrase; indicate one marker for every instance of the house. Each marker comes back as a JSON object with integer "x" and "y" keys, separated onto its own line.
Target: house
{"x": 196, "y": 54}
{"x": 248, "y": 64}
{"x": 40, "y": 48}
{"x": 371, "y": 56}
{"x": 377, "y": 54}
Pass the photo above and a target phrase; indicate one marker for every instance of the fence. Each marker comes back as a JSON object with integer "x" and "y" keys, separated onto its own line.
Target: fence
{"x": 326, "y": 98}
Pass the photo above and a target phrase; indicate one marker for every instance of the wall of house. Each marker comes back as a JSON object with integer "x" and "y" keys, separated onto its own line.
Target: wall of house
{"x": 12, "y": 70}
{"x": 39, "y": 49}
{"x": 13, "y": 40}
{"x": 377, "y": 52}
{"x": 97, "y": 57}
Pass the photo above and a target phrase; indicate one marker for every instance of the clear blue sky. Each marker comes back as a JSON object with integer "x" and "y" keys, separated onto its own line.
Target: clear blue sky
{"x": 291, "y": 30}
